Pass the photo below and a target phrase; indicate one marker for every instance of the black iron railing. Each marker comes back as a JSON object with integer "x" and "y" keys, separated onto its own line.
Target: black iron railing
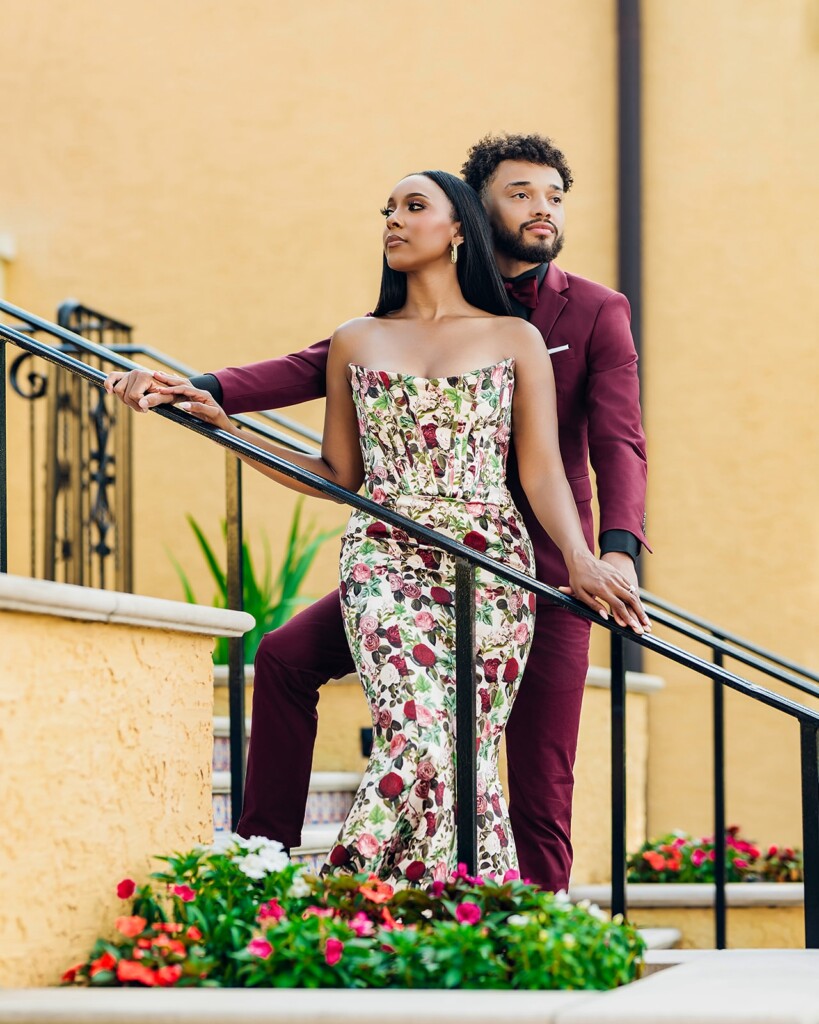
{"x": 467, "y": 562}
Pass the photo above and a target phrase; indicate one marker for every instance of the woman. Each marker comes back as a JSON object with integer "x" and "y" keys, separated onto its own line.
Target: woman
{"x": 420, "y": 403}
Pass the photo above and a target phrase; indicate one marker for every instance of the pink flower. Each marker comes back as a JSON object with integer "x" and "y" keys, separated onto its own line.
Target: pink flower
{"x": 184, "y": 892}
{"x": 361, "y": 572}
{"x": 423, "y": 715}
{"x": 515, "y": 600}
{"x": 425, "y": 621}
{"x": 384, "y": 718}
{"x": 315, "y": 911}
{"x": 395, "y": 581}
{"x": 362, "y": 925}
{"x": 379, "y": 495}
{"x": 367, "y": 845}
{"x": 497, "y": 375}
{"x": 481, "y": 805}
{"x": 740, "y": 862}
{"x": 125, "y": 889}
{"x": 697, "y": 856}
{"x": 411, "y": 590}
{"x": 333, "y": 951}
{"x": 468, "y": 913}
{"x": 438, "y": 873}
{"x": 397, "y": 745}
{"x": 490, "y": 669}
{"x": 475, "y": 508}
{"x": 371, "y": 642}
{"x": 271, "y": 909}
{"x": 425, "y": 771}
{"x": 368, "y": 624}
{"x": 521, "y": 633}
{"x": 260, "y": 948}
{"x": 130, "y": 926}
{"x": 510, "y": 875}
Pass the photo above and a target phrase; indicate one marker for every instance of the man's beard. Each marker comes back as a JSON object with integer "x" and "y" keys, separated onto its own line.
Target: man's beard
{"x": 511, "y": 244}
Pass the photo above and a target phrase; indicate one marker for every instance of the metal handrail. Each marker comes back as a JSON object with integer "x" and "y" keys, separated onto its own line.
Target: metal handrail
{"x": 467, "y": 562}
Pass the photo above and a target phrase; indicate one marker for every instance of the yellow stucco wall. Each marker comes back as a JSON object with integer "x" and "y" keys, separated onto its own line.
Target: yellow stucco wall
{"x": 212, "y": 173}
{"x": 747, "y": 927}
{"x": 731, "y": 374}
{"x": 106, "y": 739}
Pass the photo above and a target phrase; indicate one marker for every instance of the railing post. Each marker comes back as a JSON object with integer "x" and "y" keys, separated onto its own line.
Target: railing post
{"x": 618, "y": 775}
{"x": 236, "y": 644}
{"x": 3, "y": 464}
{"x": 466, "y": 784}
{"x": 809, "y": 736}
{"x": 720, "y": 911}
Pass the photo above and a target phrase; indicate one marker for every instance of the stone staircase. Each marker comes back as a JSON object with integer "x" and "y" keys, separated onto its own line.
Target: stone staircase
{"x": 330, "y": 798}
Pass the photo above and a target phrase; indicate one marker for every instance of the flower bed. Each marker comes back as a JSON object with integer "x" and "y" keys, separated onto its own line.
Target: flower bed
{"x": 244, "y": 915}
{"x": 678, "y": 857}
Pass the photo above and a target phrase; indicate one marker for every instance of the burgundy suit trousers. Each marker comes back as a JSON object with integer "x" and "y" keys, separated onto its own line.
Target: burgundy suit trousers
{"x": 293, "y": 662}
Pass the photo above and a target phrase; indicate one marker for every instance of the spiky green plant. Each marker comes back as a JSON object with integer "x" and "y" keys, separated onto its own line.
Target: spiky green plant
{"x": 271, "y": 601}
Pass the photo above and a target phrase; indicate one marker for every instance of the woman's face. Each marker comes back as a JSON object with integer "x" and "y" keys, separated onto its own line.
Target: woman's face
{"x": 419, "y": 229}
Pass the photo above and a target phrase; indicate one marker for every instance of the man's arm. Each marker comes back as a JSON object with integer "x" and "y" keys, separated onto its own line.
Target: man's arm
{"x": 272, "y": 384}
{"x": 616, "y": 441}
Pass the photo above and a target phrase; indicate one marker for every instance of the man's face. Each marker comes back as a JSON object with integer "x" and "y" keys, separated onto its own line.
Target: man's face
{"x": 524, "y": 203}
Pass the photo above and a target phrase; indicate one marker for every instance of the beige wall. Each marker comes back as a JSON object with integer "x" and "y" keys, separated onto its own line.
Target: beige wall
{"x": 213, "y": 173}
{"x": 106, "y": 739}
{"x": 732, "y": 369}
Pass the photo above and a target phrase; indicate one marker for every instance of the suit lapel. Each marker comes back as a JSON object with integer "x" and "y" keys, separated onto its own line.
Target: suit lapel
{"x": 550, "y": 300}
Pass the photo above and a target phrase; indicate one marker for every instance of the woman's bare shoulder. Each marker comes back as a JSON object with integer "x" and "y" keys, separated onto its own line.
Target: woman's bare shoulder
{"x": 522, "y": 337}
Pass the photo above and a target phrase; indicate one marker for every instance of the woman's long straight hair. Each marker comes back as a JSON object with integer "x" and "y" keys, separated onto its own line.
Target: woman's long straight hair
{"x": 478, "y": 275}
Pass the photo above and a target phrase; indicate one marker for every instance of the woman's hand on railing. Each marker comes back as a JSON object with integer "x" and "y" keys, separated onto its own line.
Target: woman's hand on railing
{"x": 140, "y": 389}
{"x": 608, "y": 591}
{"x": 198, "y": 403}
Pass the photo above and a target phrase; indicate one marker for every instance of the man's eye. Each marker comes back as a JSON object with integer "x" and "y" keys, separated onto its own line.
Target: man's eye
{"x": 385, "y": 211}
{"x": 557, "y": 199}
{"x": 519, "y": 195}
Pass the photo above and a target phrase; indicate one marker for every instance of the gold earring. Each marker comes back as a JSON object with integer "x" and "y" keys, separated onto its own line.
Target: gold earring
{"x": 454, "y": 253}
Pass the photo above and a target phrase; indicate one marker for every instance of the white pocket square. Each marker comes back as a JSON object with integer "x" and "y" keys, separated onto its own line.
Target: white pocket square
{"x": 558, "y": 348}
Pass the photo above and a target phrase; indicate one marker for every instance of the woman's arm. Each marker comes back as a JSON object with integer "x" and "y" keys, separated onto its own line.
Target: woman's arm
{"x": 542, "y": 476}
{"x": 340, "y": 459}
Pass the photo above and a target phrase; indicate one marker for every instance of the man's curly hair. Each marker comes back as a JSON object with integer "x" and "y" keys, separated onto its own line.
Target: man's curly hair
{"x": 483, "y": 158}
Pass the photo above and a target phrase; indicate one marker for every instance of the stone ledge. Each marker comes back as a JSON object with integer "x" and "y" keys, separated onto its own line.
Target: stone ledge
{"x": 44, "y": 597}
{"x": 669, "y": 894}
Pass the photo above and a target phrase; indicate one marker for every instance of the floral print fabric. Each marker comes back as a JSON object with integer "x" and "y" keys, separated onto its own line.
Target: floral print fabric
{"x": 435, "y": 450}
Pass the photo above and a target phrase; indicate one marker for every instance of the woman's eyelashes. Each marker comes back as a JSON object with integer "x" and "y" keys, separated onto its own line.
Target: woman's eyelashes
{"x": 413, "y": 207}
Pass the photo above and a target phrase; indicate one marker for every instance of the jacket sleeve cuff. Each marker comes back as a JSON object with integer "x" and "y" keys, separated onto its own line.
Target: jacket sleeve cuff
{"x": 620, "y": 540}
{"x": 209, "y": 382}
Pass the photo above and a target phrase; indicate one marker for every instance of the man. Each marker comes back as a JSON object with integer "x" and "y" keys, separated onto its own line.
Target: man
{"x": 522, "y": 181}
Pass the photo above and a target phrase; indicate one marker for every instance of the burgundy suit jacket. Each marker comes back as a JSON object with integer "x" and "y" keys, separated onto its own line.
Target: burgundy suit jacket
{"x": 586, "y": 329}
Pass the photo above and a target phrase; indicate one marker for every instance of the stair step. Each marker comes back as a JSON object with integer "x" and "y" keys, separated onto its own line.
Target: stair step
{"x": 330, "y": 798}
{"x": 661, "y": 938}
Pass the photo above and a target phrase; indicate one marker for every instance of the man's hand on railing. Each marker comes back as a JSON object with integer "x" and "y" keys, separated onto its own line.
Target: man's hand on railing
{"x": 141, "y": 390}
{"x": 608, "y": 590}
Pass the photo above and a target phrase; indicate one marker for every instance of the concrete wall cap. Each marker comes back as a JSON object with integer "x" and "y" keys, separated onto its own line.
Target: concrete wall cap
{"x": 669, "y": 894}
{"x": 44, "y": 597}
{"x": 636, "y": 682}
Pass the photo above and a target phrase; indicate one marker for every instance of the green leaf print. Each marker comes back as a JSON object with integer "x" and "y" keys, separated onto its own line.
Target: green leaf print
{"x": 377, "y": 815}
{"x": 456, "y": 398}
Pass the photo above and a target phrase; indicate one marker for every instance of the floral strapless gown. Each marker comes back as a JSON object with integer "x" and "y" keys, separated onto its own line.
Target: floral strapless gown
{"x": 434, "y": 450}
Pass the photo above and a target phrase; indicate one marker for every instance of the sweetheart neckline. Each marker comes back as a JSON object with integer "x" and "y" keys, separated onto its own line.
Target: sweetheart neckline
{"x": 418, "y": 376}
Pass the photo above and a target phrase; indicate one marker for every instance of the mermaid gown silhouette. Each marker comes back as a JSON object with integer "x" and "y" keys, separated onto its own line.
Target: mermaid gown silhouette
{"x": 435, "y": 450}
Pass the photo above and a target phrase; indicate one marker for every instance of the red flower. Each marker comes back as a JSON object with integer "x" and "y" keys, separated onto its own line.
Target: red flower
{"x": 422, "y": 789}
{"x": 104, "y": 963}
{"x": 270, "y": 909}
{"x": 496, "y": 804}
{"x": 130, "y": 926}
{"x": 409, "y": 710}
{"x": 127, "y": 971}
{"x": 184, "y": 892}
{"x": 342, "y": 589}
{"x": 475, "y": 540}
{"x": 511, "y": 670}
{"x": 440, "y": 595}
{"x": 430, "y": 558}
{"x": 490, "y": 669}
{"x": 655, "y": 860}
{"x": 439, "y": 793}
{"x": 377, "y": 530}
{"x": 393, "y": 635}
{"x": 333, "y": 951}
{"x": 71, "y": 973}
{"x": 339, "y": 855}
{"x": 400, "y": 663}
{"x": 499, "y": 832}
{"x": 384, "y": 378}
{"x": 424, "y": 655}
{"x": 193, "y": 933}
{"x": 390, "y": 787}
{"x": 376, "y": 891}
{"x": 415, "y": 871}
{"x": 125, "y": 889}
{"x": 167, "y": 976}
{"x": 486, "y": 702}
{"x": 432, "y": 823}
{"x": 385, "y": 718}
{"x": 428, "y": 430}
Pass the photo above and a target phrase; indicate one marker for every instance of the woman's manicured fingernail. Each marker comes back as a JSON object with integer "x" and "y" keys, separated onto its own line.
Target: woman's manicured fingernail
{"x": 184, "y": 405}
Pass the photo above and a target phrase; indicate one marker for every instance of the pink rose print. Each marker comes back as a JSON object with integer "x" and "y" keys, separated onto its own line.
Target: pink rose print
{"x": 423, "y": 715}
{"x": 521, "y": 633}
{"x": 385, "y": 718}
{"x": 379, "y": 495}
{"x": 395, "y": 581}
{"x": 475, "y": 508}
{"x": 361, "y": 572}
{"x": 368, "y": 624}
{"x": 482, "y": 804}
{"x": 371, "y": 642}
{"x": 425, "y": 770}
{"x": 367, "y": 845}
{"x": 515, "y": 600}
{"x": 497, "y": 375}
{"x": 425, "y": 621}
{"x": 480, "y": 785}
{"x": 397, "y": 745}
{"x": 439, "y": 872}
{"x": 411, "y": 590}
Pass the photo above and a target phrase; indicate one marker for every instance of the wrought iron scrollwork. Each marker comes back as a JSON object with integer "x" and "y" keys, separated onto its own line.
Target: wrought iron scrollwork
{"x": 38, "y": 382}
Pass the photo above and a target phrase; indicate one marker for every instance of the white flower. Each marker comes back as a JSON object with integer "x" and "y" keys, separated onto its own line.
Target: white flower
{"x": 492, "y": 843}
{"x": 595, "y": 911}
{"x": 444, "y": 436}
{"x": 299, "y": 889}
{"x": 258, "y": 843}
{"x": 253, "y": 866}
{"x": 569, "y": 941}
{"x": 389, "y": 674}
{"x": 562, "y": 897}
{"x": 518, "y": 920}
